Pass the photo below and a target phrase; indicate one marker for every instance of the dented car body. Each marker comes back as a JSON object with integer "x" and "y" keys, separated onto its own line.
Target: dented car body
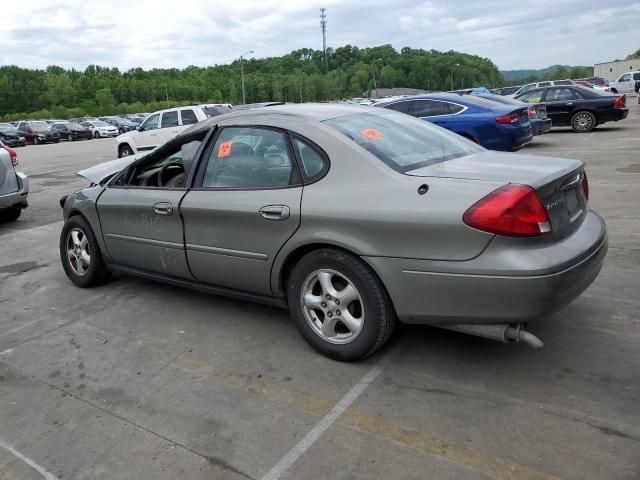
{"x": 352, "y": 217}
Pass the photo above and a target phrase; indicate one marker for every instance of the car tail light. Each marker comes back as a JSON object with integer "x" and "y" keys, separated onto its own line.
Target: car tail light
{"x": 531, "y": 111}
{"x": 13, "y": 155}
{"x": 619, "y": 102}
{"x": 513, "y": 210}
{"x": 585, "y": 185}
{"x": 513, "y": 118}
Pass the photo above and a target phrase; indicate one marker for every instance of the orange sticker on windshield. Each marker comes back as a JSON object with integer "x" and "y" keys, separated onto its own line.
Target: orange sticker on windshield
{"x": 371, "y": 134}
{"x": 224, "y": 150}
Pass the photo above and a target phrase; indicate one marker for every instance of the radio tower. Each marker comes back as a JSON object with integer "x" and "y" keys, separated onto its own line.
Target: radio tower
{"x": 323, "y": 27}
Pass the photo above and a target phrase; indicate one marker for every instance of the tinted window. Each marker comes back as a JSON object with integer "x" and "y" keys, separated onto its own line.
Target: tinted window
{"x": 428, "y": 108}
{"x": 248, "y": 158}
{"x": 636, "y": 76}
{"x": 563, "y": 82}
{"x": 402, "y": 142}
{"x": 188, "y": 117}
{"x": 625, "y": 78}
{"x": 169, "y": 119}
{"x": 313, "y": 163}
{"x": 151, "y": 123}
{"x": 455, "y": 108}
{"x": 560, "y": 95}
{"x": 399, "y": 106}
{"x": 544, "y": 84}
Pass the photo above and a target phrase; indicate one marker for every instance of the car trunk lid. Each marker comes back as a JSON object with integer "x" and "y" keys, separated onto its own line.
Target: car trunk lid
{"x": 557, "y": 181}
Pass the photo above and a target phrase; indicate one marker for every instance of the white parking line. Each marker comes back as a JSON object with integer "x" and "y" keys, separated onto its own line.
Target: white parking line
{"x": 588, "y": 137}
{"x": 47, "y": 475}
{"x": 323, "y": 425}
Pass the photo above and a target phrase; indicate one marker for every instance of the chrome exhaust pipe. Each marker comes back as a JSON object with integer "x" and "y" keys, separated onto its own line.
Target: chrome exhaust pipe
{"x": 505, "y": 333}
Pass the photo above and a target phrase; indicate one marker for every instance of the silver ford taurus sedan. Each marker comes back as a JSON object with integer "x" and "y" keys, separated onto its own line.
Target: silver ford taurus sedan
{"x": 352, "y": 217}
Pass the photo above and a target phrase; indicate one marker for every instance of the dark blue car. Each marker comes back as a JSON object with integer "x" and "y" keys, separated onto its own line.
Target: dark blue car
{"x": 493, "y": 125}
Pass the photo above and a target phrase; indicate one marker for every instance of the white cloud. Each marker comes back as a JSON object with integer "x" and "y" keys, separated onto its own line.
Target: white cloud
{"x": 163, "y": 33}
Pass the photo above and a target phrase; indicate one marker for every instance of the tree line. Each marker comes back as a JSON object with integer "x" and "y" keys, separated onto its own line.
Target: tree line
{"x": 300, "y": 76}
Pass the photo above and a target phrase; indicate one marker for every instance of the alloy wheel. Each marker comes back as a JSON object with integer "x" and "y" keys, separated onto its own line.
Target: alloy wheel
{"x": 332, "y": 306}
{"x": 583, "y": 122}
{"x": 78, "y": 254}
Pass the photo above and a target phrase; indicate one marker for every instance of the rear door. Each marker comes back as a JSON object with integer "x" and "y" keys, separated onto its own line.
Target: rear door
{"x": 243, "y": 207}
{"x": 169, "y": 126}
{"x": 435, "y": 111}
{"x": 561, "y": 103}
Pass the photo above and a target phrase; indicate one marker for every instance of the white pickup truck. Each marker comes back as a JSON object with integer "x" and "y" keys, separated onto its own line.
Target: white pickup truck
{"x": 625, "y": 83}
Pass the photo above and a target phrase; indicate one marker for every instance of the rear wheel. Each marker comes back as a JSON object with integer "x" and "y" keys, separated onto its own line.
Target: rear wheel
{"x": 10, "y": 214}
{"x": 583, "y": 122}
{"x": 80, "y": 254}
{"x": 124, "y": 150}
{"x": 339, "y": 305}
{"x": 96, "y": 134}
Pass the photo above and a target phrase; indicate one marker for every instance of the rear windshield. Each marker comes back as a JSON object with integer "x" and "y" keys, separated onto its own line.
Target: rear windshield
{"x": 39, "y": 125}
{"x": 215, "y": 111}
{"x": 403, "y": 142}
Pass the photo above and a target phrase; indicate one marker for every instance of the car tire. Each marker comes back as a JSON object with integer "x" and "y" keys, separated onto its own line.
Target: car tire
{"x": 583, "y": 122}
{"x": 80, "y": 254}
{"x": 10, "y": 214}
{"x": 124, "y": 150}
{"x": 69, "y": 138}
{"x": 315, "y": 287}
{"x": 36, "y": 141}
{"x": 96, "y": 134}
{"x": 614, "y": 90}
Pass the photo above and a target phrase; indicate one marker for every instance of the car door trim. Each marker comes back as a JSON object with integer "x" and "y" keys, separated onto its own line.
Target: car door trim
{"x": 146, "y": 241}
{"x": 227, "y": 252}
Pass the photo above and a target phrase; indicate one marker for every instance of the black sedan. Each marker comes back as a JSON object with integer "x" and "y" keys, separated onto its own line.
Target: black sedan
{"x": 72, "y": 131}
{"x": 578, "y": 107}
{"x": 10, "y": 136}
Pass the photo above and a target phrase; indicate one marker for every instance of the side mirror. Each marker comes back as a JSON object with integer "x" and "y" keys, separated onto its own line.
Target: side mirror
{"x": 139, "y": 128}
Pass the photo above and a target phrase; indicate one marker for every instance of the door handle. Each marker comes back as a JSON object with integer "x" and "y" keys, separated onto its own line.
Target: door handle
{"x": 163, "y": 208}
{"x": 275, "y": 212}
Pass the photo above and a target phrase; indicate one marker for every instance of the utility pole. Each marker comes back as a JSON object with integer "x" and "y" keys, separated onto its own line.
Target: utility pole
{"x": 323, "y": 28}
{"x": 244, "y": 99}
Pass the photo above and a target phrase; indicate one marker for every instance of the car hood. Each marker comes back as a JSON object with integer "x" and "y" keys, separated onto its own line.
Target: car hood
{"x": 98, "y": 173}
{"x": 502, "y": 167}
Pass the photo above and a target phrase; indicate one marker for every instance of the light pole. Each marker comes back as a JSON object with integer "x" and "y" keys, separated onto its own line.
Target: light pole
{"x": 373, "y": 72}
{"x": 244, "y": 100}
{"x": 456, "y": 65}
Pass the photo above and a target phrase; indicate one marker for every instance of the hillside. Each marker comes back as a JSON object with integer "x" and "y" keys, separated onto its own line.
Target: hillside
{"x": 542, "y": 73}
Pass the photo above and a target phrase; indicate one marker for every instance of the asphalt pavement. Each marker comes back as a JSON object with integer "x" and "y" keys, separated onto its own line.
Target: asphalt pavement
{"x": 139, "y": 380}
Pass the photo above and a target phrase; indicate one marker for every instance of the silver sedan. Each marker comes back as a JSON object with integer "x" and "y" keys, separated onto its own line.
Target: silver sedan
{"x": 351, "y": 217}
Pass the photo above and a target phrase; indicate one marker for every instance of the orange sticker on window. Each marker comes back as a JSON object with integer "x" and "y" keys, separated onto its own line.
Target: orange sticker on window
{"x": 371, "y": 134}
{"x": 224, "y": 150}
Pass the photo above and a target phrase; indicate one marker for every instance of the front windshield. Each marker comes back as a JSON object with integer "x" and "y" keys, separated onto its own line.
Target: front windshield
{"x": 74, "y": 125}
{"x": 39, "y": 125}
{"x": 401, "y": 141}
{"x": 100, "y": 123}
{"x": 5, "y": 127}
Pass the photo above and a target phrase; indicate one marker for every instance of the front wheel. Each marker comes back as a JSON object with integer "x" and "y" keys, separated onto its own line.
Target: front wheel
{"x": 96, "y": 134}
{"x": 80, "y": 254}
{"x": 124, "y": 151}
{"x": 339, "y": 305}
{"x": 36, "y": 141}
{"x": 583, "y": 122}
{"x": 69, "y": 138}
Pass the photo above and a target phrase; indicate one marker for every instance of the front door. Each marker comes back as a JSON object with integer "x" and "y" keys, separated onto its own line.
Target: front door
{"x": 147, "y": 136}
{"x": 245, "y": 204}
{"x": 140, "y": 218}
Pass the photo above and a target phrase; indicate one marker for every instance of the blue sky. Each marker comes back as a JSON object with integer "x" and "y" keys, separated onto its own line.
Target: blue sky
{"x": 161, "y": 33}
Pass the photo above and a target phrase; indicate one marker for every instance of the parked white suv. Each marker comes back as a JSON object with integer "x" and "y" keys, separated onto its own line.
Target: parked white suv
{"x": 160, "y": 127}
{"x": 625, "y": 83}
{"x": 549, "y": 83}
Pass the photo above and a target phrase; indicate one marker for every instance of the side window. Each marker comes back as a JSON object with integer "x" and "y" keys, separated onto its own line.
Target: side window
{"x": 313, "y": 163}
{"x": 399, "y": 107}
{"x": 636, "y": 76}
{"x": 170, "y": 169}
{"x": 250, "y": 158}
{"x": 188, "y": 117}
{"x": 428, "y": 108}
{"x": 544, "y": 84}
{"x": 169, "y": 119}
{"x": 531, "y": 97}
{"x": 151, "y": 123}
{"x": 559, "y": 95}
{"x": 563, "y": 82}
{"x": 625, "y": 78}
{"x": 455, "y": 108}
{"x": 526, "y": 88}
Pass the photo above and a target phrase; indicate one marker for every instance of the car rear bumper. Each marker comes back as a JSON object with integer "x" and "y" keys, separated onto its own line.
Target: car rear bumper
{"x": 514, "y": 280}
{"x": 613, "y": 115}
{"x": 19, "y": 197}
